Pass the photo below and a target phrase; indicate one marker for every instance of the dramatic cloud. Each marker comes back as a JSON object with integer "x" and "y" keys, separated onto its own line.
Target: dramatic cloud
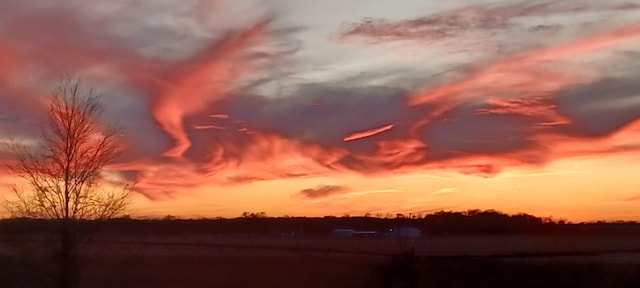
{"x": 206, "y": 97}
{"x": 209, "y": 78}
{"x": 510, "y": 105}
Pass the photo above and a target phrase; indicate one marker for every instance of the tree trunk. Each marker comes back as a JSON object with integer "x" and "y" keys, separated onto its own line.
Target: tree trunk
{"x": 66, "y": 276}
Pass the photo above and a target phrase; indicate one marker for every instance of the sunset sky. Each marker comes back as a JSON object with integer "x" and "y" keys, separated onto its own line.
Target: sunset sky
{"x": 333, "y": 107}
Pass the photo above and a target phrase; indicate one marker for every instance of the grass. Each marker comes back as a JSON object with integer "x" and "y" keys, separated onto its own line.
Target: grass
{"x": 236, "y": 261}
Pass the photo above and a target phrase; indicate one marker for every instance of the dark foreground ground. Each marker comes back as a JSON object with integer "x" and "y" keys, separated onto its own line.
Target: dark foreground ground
{"x": 240, "y": 261}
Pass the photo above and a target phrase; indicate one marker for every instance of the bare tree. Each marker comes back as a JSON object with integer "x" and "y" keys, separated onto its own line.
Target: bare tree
{"x": 63, "y": 173}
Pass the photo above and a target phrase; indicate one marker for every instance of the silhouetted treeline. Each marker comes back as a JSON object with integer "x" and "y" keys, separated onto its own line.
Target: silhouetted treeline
{"x": 439, "y": 223}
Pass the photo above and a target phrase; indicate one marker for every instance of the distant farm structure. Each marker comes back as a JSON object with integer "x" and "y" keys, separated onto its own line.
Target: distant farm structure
{"x": 350, "y": 233}
{"x": 399, "y": 232}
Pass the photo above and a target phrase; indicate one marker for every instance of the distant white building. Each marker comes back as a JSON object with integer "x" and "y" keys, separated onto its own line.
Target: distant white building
{"x": 343, "y": 233}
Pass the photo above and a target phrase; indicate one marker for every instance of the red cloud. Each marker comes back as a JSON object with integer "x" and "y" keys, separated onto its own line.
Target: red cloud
{"x": 368, "y": 133}
{"x": 241, "y": 158}
{"x": 209, "y": 78}
{"x": 522, "y": 87}
{"x": 528, "y": 73}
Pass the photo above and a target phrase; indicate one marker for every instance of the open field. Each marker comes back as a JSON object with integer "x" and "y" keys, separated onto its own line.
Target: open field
{"x": 251, "y": 261}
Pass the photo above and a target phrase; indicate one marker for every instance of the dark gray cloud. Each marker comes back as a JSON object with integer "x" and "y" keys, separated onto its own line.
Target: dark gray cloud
{"x": 322, "y": 191}
{"x": 500, "y": 27}
{"x": 471, "y": 19}
{"x": 603, "y": 107}
{"x": 322, "y": 114}
{"x": 479, "y": 134}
